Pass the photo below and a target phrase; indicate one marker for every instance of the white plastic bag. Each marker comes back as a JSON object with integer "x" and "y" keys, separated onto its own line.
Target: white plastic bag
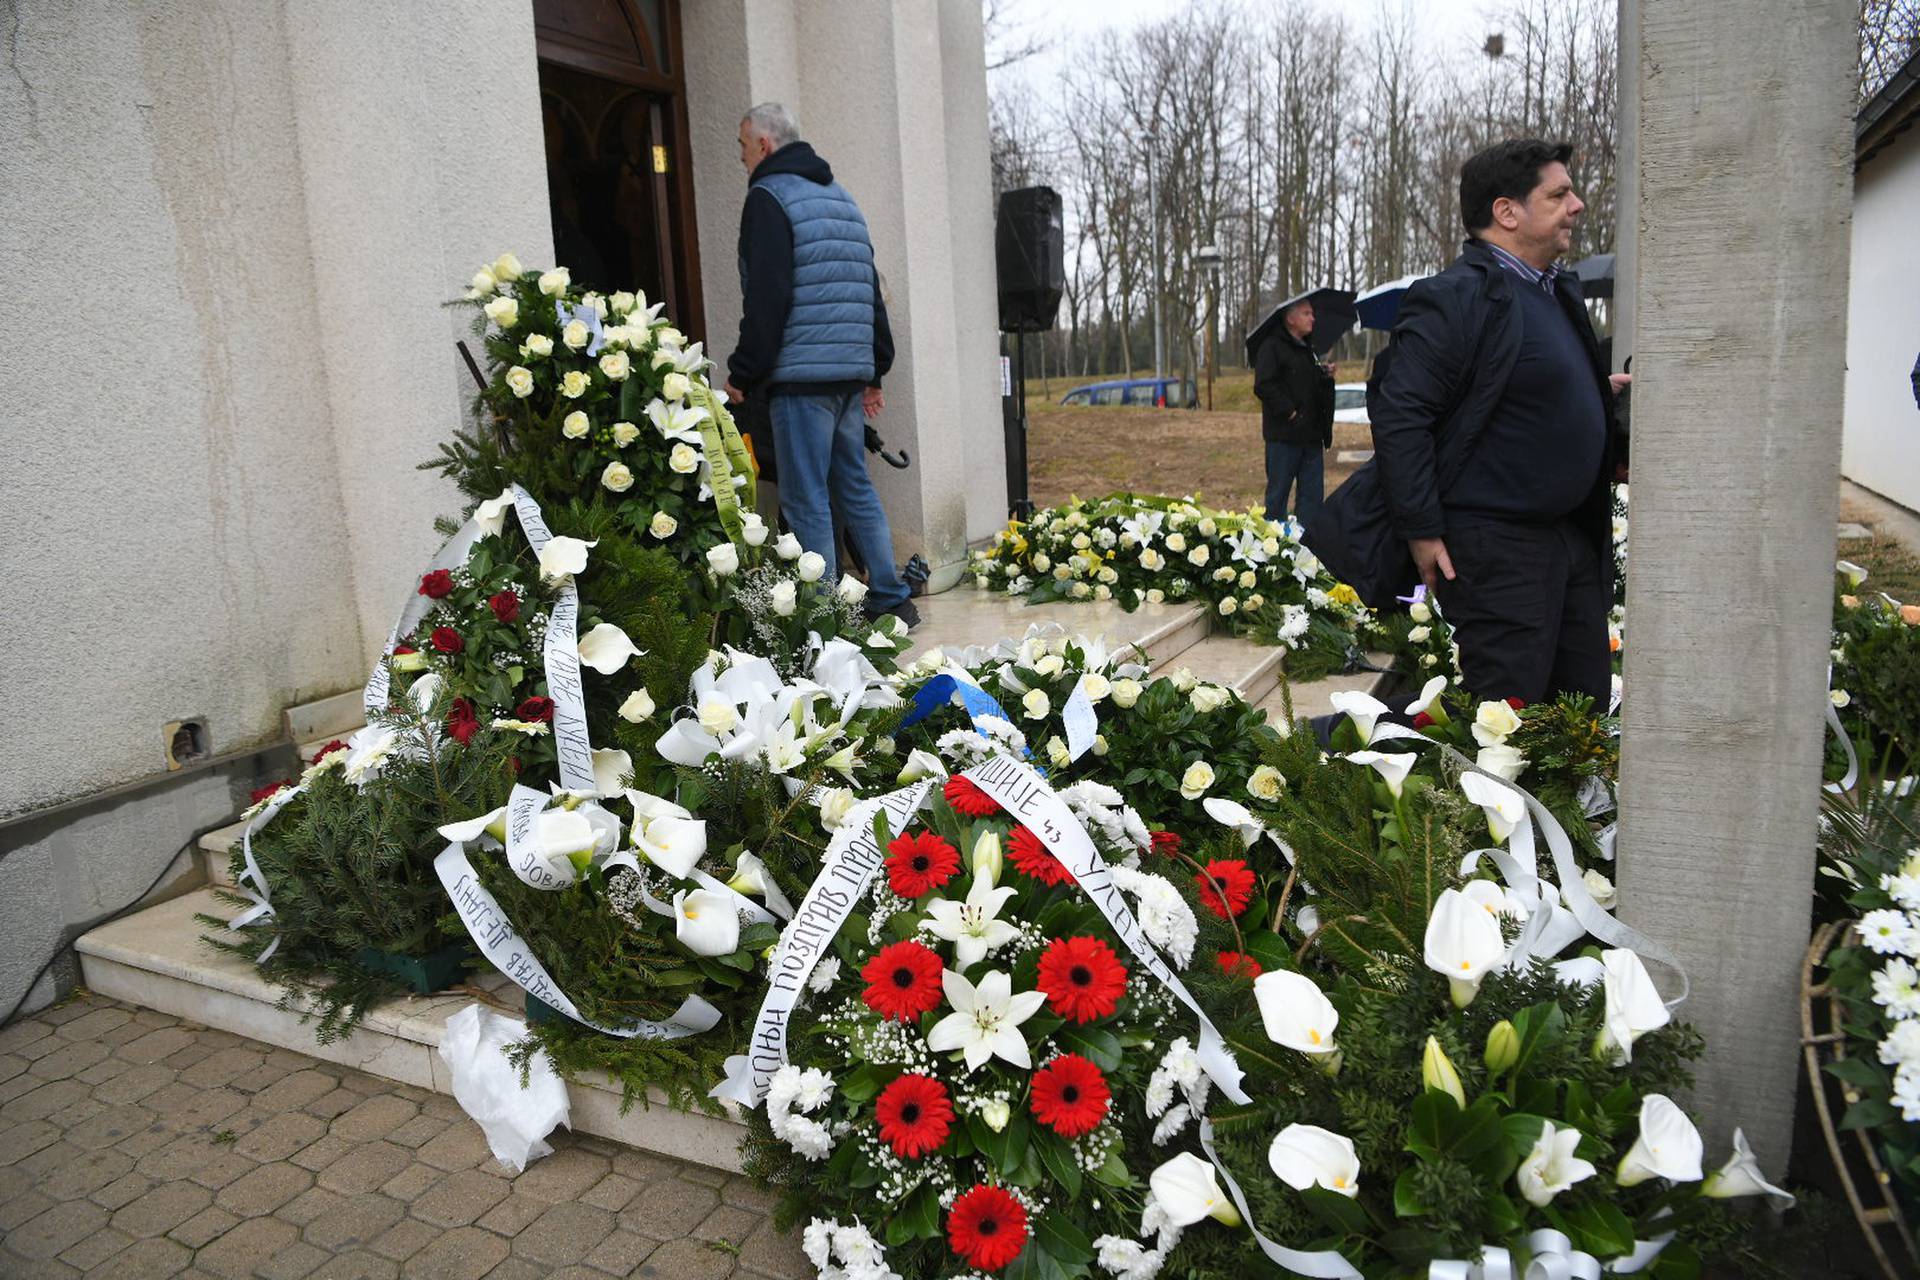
{"x": 487, "y": 1086}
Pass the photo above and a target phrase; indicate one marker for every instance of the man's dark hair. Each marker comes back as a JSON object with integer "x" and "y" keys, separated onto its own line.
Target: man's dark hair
{"x": 1511, "y": 169}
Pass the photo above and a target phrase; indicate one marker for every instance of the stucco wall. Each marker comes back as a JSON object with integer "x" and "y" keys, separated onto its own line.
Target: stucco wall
{"x": 1882, "y": 446}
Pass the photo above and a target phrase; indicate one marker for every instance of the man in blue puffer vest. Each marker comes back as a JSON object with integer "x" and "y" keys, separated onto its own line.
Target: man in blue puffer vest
{"x": 814, "y": 337}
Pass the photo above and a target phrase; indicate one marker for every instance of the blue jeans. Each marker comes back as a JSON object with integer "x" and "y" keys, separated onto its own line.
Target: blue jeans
{"x": 1289, "y": 465}
{"x": 819, "y": 443}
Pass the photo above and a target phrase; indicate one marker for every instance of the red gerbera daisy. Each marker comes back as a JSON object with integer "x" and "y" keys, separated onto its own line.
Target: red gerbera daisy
{"x": 1070, "y": 1096}
{"x": 1166, "y": 843}
{"x": 903, "y": 981}
{"x": 1081, "y": 977}
{"x": 969, "y": 799}
{"x": 1230, "y": 874}
{"x": 921, "y": 863}
{"x": 987, "y": 1228}
{"x": 914, "y": 1114}
{"x": 1025, "y": 851}
{"x": 1237, "y": 964}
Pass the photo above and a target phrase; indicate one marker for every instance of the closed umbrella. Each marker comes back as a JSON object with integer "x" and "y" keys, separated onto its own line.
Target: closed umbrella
{"x": 1379, "y": 306}
{"x": 1332, "y": 317}
{"x": 1596, "y": 275}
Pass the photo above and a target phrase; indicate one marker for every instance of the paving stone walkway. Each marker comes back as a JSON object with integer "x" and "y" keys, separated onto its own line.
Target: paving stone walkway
{"x": 135, "y": 1145}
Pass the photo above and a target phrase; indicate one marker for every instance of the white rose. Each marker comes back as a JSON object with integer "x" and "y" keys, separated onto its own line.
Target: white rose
{"x": 835, "y": 804}
{"x": 684, "y": 459}
{"x": 1109, "y": 574}
{"x": 1155, "y": 595}
{"x": 1228, "y": 607}
{"x": 1200, "y": 555}
{"x": 1419, "y": 612}
{"x": 1493, "y": 722}
{"x": 622, "y": 301}
{"x": 1036, "y": 704}
{"x": 718, "y": 716}
{"x": 1419, "y": 634}
{"x": 1600, "y": 888}
{"x": 1126, "y": 692}
{"x": 783, "y": 597}
{"x": 554, "y": 283}
{"x": 1255, "y": 600}
{"x": 675, "y": 386}
{"x": 1095, "y": 686}
{"x": 851, "y": 589}
{"x": 1207, "y": 527}
{"x": 723, "y": 559}
{"x": 520, "y": 381}
{"x": 1247, "y": 579}
{"x": 812, "y": 565}
{"x": 1195, "y": 781}
{"x": 1050, "y": 664}
{"x": 1099, "y": 744}
{"x": 575, "y": 425}
{"x": 662, "y": 525}
{"x": 1080, "y": 591}
{"x": 507, "y": 267}
{"x": 1224, "y": 573}
{"x": 672, "y": 337}
{"x": 1209, "y": 697}
{"x": 615, "y": 365}
{"x": 616, "y": 477}
{"x": 504, "y": 312}
{"x": 624, "y": 434}
{"x": 787, "y": 547}
{"x": 574, "y": 384}
{"x": 1266, "y": 783}
{"x": 576, "y": 335}
{"x": 1152, "y": 560}
{"x": 637, "y": 707}
{"x": 1081, "y": 542}
{"x": 1057, "y": 752}
{"x": 484, "y": 281}
{"x": 1176, "y": 542}
{"x": 539, "y": 344}
{"x": 1184, "y": 680}
{"x": 753, "y": 529}
{"x": 1502, "y": 761}
{"x": 1042, "y": 562}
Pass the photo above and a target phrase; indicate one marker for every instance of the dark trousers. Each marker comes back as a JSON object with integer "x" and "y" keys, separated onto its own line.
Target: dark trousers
{"x": 1301, "y": 467}
{"x": 1528, "y": 604}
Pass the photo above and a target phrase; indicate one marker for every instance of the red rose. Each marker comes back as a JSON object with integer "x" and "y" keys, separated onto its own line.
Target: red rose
{"x": 267, "y": 791}
{"x": 914, "y": 1114}
{"x": 1518, "y": 704}
{"x": 505, "y": 606}
{"x": 1025, "y": 851}
{"x": 1166, "y": 843}
{"x": 1070, "y": 1096}
{"x": 1232, "y": 875}
{"x": 969, "y": 799}
{"x": 403, "y": 648}
{"x": 918, "y": 864}
{"x": 987, "y": 1228}
{"x": 534, "y": 709}
{"x": 462, "y": 724}
{"x": 438, "y": 585}
{"x": 447, "y": 640}
{"x": 903, "y": 981}
{"x": 1237, "y": 964}
{"x": 1423, "y": 720}
{"x": 1082, "y": 979}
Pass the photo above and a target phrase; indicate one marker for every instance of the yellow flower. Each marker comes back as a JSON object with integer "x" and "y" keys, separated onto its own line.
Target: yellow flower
{"x": 1344, "y": 594}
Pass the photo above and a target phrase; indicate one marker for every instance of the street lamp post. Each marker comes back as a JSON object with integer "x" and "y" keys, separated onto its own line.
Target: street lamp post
{"x": 1208, "y": 258}
{"x": 1153, "y": 217}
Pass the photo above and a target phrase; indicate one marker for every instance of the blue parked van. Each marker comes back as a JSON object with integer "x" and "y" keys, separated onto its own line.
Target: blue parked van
{"x": 1175, "y": 393}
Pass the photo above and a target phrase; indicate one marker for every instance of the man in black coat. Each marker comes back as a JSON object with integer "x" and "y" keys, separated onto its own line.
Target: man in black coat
{"x": 1494, "y": 436}
{"x": 1296, "y": 414}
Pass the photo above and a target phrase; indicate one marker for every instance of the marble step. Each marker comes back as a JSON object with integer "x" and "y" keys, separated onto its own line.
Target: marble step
{"x": 155, "y": 958}
{"x": 1315, "y": 697}
{"x": 1251, "y": 670}
{"x": 965, "y": 616}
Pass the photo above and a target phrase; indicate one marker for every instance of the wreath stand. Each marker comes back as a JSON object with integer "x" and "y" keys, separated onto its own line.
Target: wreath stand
{"x": 1823, "y": 1039}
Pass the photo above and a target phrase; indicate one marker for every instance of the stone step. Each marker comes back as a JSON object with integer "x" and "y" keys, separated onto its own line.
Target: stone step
{"x": 1315, "y": 697}
{"x": 334, "y": 717}
{"x": 155, "y": 958}
{"x": 965, "y": 616}
{"x": 1251, "y": 670}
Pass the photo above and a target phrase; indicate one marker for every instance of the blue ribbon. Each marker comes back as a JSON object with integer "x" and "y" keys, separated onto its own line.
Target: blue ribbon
{"x": 939, "y": 691}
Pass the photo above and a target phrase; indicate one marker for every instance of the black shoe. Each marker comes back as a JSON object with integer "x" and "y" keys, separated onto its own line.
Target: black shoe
{"x": 903, "y": 611}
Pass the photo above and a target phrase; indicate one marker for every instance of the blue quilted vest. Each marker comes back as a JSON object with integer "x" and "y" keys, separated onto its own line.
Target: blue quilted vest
{"x": 829, "y": 333}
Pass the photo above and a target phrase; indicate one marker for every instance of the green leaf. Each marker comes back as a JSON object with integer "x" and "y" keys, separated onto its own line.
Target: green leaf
{"x": 1406, "y": 1203}
{"x": 1869, "y": 1113}
{"x": 1342, "y": 1213}
{"x": 1057, "y": 1234}
{"x": 918, "y": 1219}
{"x": 1099, "y": 1046}
{"x": 864, "y": 1083}
{"x": 1057, "y": 1156}
{"x": 1522, "y": 1131}
{"x": 1859, "y": 1072}
{"x": 1600, "y": 1228}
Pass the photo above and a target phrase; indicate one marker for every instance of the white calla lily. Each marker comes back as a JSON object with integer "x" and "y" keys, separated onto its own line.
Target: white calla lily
{"x": 563, "y": 557}
{"x": 751, "y": 876}
{"x": 1392, "y": 767}
{"x": 1503, "y": 806}
{"x": 1188, "y": 1190}
{"x": 606, "y": 648}
{"x": 670, "y": 837}
{"x": 1231, "y": 813}
{"x": 1551, "y": 1167}
{"x": 1741, "y": 1176}
{"x": 1363, "y": 709}
{"x": 1633, "y": 1006}
{"x": 491, "y": 516}
{"x": 1295, "y": 1012}
{"x": 1305, "y": 1155}
{"x": 985, "y": 1022}
{"x": 1429, "y": 691}
{"x": 611, "y": 769}
{"x": 1668, "y": 1146}
{"x": 706, "y": 923}
{"x": 494, "y": 824}
{"x": 1463, "y": 943}
{"x": 972, "y": 926}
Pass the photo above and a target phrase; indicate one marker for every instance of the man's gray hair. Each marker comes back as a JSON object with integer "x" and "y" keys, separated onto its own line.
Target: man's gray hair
{"x": 773, "y": 122}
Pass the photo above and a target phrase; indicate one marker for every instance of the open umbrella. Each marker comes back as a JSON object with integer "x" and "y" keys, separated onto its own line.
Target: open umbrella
{"x": 1596, "y": 275}
{"x": 1379, "y": 306}
{"x": 1332, "y": 317}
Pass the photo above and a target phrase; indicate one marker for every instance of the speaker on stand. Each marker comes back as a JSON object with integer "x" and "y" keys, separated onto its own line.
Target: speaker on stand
{"x": 1029, "y": 250}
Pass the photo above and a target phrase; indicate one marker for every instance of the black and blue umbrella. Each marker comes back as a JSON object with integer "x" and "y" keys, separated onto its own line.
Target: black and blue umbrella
{"x": 1379, "y": 306}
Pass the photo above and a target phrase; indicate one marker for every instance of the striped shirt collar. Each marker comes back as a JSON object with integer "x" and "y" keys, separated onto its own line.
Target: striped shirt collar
{"x": 1526, "y": 271}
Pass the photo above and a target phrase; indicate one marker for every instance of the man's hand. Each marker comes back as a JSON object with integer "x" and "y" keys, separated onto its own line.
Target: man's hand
{"x": 1619, "y": 381}
{"x": 1430, "y": 557}
{"x": 872, "y": 401}
{"x": 734, "y": 394}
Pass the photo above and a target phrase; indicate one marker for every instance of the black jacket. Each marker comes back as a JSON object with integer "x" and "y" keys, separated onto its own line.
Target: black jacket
{"x": 1454, "y": 347}
{"x": 1295, "y": 392}
{"x": 766, "y": 246}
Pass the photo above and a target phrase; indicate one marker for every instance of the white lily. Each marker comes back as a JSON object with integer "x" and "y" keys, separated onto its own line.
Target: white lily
{"x": 1741, "y": 1176}
{"x": 1305, "y": 1155}
{"x": 972, "y": 926}
{"x": 1503, "y": 806}
{"x": 611, "y": 769}
{"x": 563, "y": 557}
{"x": 1668, "y": 1146}
{"x": 678, "y": 423}
{"x": 1429, "y": 691}
{"x": 1392, "y": 767}
{"x": 1551, "y": 1167}
{"x": 1295, "y": 1012}
{"x": 985, "y": 1022}
{"x": 1463, "y": 943}
{"x": 689, "y": 361}
{"x": 1188, "y": 1190}
{"x": 1363, "y": 709}
{"x": 1634, "y": 1006}
{"x": 491, "y": 516}
{"x": 670, "y": 837}
{"x": 706, "y": 923}
{"x": 606, "y": 648}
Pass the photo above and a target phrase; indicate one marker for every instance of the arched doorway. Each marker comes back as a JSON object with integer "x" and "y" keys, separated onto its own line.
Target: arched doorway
{"x": 619, "y": 176}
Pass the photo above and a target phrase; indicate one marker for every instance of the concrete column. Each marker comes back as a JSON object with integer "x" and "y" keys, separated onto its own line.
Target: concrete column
{"x": 1626, "y": 220}
{"x": 1743, "y": 161}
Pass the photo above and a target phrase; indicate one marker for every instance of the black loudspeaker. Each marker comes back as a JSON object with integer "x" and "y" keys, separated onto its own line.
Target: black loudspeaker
{"x": 1029, "y": 250}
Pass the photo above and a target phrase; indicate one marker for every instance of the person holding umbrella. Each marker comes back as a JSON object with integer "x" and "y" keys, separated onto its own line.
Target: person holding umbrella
{"x": 1296, "y": 410}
